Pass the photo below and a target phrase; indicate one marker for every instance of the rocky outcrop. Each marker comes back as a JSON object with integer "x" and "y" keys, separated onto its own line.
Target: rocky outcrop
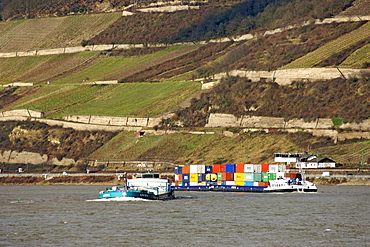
{"x": 24, "y": 157}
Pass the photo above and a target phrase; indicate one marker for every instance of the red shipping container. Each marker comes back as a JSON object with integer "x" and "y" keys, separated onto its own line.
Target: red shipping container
{"x": 239, "y": 168}
{"x": 186, "y": 170}
{"x": 264, "y": 167}
{"x": 219, "y": 168}
{"x": 228, "y": 176}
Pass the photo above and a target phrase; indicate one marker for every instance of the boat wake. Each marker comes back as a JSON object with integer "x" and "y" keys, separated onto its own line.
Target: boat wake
{"x": 23, "y": 201}
{"x": 118, "y": 199}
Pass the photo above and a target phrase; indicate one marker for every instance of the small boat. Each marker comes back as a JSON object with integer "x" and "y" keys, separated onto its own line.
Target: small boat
{"x": 143, "y": 185}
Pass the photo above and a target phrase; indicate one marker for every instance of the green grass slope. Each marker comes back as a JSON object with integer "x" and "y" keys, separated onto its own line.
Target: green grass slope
{"x": 182, "y": 148}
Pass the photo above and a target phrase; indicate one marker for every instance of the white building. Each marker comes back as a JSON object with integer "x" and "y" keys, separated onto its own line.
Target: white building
{"x": 311, "y": 161}
{"x": 304, "y": 160}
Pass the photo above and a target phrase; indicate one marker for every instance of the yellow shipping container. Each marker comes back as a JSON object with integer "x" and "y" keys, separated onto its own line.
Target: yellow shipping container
{"x": 239, "y": 177}
{"x": 240, "y": 183}
{"x": 193, "y": 177}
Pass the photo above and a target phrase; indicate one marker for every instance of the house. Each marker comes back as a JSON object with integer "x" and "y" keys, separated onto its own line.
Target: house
{"x": 304, "y": 160}
{"x": 312, "y": 161}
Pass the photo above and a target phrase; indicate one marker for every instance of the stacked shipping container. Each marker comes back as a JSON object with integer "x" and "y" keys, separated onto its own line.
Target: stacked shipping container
{"x": 240, "y": 174}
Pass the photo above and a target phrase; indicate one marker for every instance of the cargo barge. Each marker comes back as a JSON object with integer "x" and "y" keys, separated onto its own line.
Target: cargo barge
{"x": 240, "y": 177}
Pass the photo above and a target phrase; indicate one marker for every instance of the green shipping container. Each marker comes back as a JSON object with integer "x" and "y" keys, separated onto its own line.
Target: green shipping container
{"x": 272, "y": 176}
{"x": 257, "y": 177}
{"x": 219, "y": 176}
{"x": 265, "y": 177}
{"x": 252, "y": 177}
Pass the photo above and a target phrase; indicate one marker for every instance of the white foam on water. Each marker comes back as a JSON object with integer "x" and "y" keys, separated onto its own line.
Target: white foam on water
{"x": 118, "y": 199}
{"x": 23, "y": 201}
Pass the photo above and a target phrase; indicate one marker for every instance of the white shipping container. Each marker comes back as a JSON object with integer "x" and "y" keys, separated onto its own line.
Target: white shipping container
{"x": 230, "y": 182}
{"x": 248, "y": 177}
{"x": 177, "y": 177}
{"x": 193, "y": 168}
{"x": 248, "y": 168}
{"x": 255, "y": 183}
{"x": 273, "y": 168}
{"x": 257, "y": 168}
{"x": 201, "y": 169}
{"x": 193, "y": 183}
{"x": 282, "y": 168}
{"x": 280, "y": 175}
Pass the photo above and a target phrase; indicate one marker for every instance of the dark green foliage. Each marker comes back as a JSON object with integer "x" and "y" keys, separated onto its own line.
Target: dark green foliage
{"x": 222, "y": 23}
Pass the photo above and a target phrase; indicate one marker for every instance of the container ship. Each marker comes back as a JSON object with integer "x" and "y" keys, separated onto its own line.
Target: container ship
{"x": 240, "y": 177}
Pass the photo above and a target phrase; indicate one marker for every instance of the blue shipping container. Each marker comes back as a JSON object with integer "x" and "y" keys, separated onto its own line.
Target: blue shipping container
{"x": 248, "y": 183}
{"x": 230, "y": 168}
{"x": 201, "y": 177}
{"x": 178, "y": 169}
{"x": 208, "y": 169}
{"x": 186, "y": 177}
{"x": 210, "y": 183}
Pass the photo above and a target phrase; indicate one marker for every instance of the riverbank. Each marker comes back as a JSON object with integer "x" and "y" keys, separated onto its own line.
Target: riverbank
{"x": 96, "y": 179}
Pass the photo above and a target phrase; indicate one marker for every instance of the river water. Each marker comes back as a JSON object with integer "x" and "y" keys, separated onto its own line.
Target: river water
{"x": 68, "y": 215}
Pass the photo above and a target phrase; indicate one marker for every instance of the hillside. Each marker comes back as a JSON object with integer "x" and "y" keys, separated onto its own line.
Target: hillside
{"x": 159, "y": 78}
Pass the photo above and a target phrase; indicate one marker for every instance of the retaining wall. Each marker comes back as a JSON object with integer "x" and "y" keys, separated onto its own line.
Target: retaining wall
{"x": 287, "y": 76}
{"x": 228, "y": 120}
{"x": 118, "y": 121}
{"x": 21, "y": 113}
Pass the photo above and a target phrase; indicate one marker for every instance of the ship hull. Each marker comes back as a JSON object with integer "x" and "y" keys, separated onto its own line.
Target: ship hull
{"x": 136, "y": 194}
{"x": 257, "y": 189}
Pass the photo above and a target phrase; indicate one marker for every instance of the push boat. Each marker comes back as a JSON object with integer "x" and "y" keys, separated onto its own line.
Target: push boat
{"x": 144, "y": 185}
{"x": 251, "y": 181}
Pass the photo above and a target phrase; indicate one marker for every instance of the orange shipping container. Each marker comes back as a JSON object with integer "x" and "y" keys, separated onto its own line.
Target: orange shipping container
{"x": 264, "y": 167}
{"x": 185, "y": 169}
{"x": 228, "y": 176}
{"x": 263, "y": 183}
{"x": 218, "y": 168}
{"x": 239, "y": 168}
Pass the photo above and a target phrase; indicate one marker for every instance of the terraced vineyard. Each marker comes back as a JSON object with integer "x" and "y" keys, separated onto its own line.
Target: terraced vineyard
{"x": 58, "y": 32}
{"x": 341, "y": 43}
{"x": 358, "y": 58}
{"x": 133, "y": 99}
{"x": 38, "y": 69}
